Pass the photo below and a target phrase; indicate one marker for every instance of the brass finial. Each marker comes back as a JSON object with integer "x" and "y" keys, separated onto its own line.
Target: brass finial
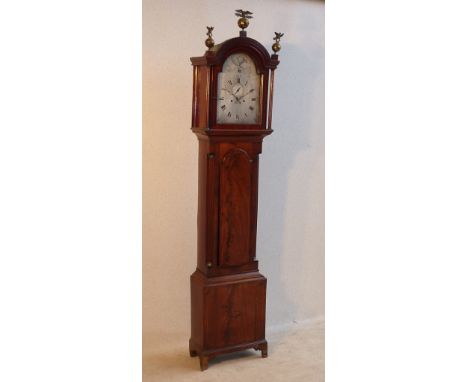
{"x": 209, "y": 42}
{"x": 276, "y": 46}
{"x": 243, "y": 22}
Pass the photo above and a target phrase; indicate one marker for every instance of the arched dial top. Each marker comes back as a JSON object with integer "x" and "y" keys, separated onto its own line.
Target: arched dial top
{"x": 238, "y": 91}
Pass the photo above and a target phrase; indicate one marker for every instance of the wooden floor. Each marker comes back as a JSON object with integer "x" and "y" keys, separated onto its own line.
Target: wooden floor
{"x": 295, "y": 353}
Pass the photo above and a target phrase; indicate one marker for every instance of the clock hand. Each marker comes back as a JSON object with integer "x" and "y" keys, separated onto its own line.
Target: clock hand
{"x": 244, "y": 95}
{"x": 233, "y": 94}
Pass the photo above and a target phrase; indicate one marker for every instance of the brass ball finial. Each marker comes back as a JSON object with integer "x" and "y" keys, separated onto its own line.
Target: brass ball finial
{"x": 243, "y": 22}
{"x": 209, "y": 42}
{"x": 277, "y": 46}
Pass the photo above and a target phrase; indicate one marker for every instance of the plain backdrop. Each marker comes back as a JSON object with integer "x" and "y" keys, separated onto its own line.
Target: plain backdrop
{"x": 70, "y": 197}
{"x": 290, "y": 244}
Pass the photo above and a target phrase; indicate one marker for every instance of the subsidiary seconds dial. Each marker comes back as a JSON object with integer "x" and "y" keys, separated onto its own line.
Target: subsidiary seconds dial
{"x": 238, "y": 91}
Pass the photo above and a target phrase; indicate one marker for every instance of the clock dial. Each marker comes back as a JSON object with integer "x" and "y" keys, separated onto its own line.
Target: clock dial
{"x": 238, "y": 91}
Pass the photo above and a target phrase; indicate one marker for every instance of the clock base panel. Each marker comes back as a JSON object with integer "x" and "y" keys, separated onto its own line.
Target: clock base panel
{"x": 228, "y": 315}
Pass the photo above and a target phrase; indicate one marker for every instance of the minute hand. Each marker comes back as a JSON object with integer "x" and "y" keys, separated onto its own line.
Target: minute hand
{"x": 250, "y": 91}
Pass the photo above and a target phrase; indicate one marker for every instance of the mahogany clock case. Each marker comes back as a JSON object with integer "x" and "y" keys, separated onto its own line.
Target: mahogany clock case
{"x": 228, "y": 294}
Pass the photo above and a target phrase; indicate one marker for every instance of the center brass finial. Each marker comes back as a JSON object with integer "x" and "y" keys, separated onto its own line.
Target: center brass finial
{"x": 243, "y": 22}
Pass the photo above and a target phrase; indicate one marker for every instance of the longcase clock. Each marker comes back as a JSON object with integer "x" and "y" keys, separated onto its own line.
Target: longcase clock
{"x": 232, "y": 107}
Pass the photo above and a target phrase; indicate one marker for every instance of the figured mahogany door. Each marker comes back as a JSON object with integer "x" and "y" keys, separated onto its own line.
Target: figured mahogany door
{"x": 237, "y": 204}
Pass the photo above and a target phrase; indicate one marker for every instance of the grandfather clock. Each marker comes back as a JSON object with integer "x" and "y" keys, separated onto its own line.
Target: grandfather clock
{"x": 232, "y": 108}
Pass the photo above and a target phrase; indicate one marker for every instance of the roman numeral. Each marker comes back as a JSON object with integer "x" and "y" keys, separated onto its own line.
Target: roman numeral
{"x": 251, "y": 108}
{"x": 254, "y": 99}
{"x": 251, "y": 90}
{"x": 230, "y": 82}
{"x": 229, "y": 114}
{"x": 223, "y": 107}
{"x": 238, "y": 80}
{"x": 237, "y": 117}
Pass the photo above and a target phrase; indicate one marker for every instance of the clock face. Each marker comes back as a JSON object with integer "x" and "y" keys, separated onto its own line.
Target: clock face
{"x": 238, "y": 91}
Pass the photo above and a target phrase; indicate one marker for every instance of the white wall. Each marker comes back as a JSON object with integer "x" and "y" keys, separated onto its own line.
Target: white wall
{"x": 290, "y": 245}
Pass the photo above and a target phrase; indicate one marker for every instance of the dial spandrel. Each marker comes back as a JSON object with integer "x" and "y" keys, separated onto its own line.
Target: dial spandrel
{"x": 238, "y": 91}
